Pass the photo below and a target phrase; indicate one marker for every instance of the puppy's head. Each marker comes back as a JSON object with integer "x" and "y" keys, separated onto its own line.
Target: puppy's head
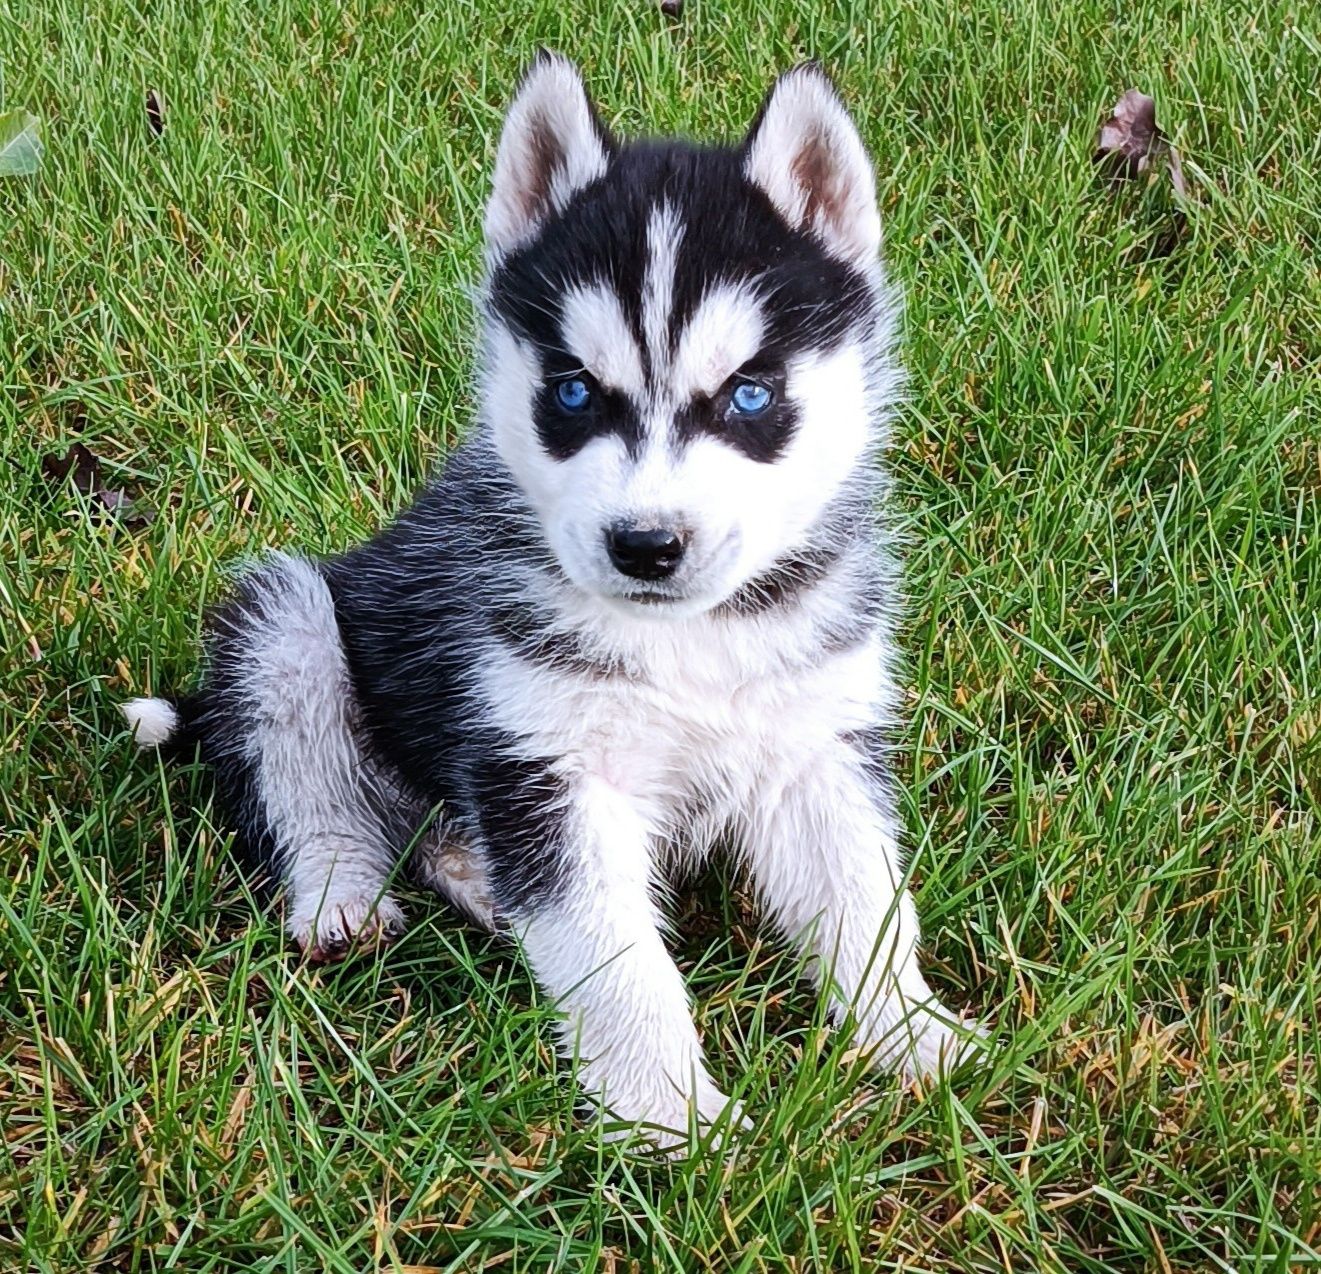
{"x": 685, "y": 348}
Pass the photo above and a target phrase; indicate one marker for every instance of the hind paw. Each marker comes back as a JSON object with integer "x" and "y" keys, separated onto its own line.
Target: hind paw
{"x": 454, "y": 871}
{"x": 340, "y": 928}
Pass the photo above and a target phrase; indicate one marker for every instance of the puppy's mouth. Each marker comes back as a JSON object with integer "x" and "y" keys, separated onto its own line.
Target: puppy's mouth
{"x": 649, "y": 597}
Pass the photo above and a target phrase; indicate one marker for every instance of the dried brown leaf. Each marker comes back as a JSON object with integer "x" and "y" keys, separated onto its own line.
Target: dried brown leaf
{"x": 77, "y": 463}
{"x": 80, "y": 466}
{"x": 1131, "y": 143}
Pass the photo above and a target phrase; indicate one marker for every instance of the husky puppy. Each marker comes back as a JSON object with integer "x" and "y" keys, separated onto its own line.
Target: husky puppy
{"x": 645, "y": 607}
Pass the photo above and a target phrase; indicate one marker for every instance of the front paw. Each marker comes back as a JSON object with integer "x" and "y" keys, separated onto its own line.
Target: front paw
{"x": 663, "y": 1113}
{"x": 337, "y": 928}
{"x": 929, "y": 1042}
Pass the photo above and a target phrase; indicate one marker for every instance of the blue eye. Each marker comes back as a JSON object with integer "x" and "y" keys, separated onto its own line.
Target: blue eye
{"x": 749, "y": 398}
{"x": 573, "y": 394}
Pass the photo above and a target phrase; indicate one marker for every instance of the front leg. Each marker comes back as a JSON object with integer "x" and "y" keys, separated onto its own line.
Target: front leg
{"x": 570, "y": 866}
{"x": 823, "y": 852}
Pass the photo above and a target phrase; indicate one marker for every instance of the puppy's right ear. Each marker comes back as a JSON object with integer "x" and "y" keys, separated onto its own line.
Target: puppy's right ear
{"x": 553, "y": 144}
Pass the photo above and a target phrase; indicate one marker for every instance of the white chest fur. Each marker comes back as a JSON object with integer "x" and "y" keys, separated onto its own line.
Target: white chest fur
{"x": 708, "y": 711}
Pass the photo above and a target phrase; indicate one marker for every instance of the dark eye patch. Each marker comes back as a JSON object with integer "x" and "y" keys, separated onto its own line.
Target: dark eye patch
{"x": 564, "y": 432}
{"x": 762, "y": 437}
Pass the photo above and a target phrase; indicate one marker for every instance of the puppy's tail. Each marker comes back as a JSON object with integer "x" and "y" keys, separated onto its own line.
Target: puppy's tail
{"x": 156, "y": 723}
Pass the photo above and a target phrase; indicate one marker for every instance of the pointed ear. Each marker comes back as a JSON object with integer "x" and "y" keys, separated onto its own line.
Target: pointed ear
{"x": 805, "y": 152}
{"x": 552, "y": 145}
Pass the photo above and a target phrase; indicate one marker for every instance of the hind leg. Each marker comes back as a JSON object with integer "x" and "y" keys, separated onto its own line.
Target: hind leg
{"x": 445, "y": 862}
{"x": 278, "y": 723}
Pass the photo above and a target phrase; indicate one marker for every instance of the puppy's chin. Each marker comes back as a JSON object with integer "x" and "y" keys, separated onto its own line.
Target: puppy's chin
{"x": 657, "y": 604}
{"x": 656, "y": 607}
{"x": 635, "y": 600}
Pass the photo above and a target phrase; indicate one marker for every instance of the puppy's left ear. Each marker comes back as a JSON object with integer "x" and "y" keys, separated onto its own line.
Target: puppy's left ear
{"x": 552, "y": 145}
{"x": 805, "y": 152}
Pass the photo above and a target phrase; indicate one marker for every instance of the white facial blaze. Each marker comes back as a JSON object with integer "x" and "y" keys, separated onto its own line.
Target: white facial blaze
{"x": 664, "y": 235}
{"x": 595, "y": 330}
{"x": 724, "y": 333}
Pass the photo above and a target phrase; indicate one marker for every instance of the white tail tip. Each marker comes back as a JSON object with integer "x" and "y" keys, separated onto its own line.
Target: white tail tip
{"x": 152, "y": 721}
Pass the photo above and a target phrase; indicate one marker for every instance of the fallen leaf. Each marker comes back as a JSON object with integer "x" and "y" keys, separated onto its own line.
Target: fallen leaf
{"x": 81, "y": 466}
{"x": 155, "y": 112}
{"x": 1131, "y": 142}
{"x": 20, "y": 144}
{"x": 79, "y": 463}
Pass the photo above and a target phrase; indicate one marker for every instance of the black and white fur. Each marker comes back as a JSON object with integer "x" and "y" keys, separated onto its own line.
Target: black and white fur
{"x": 586, "y": 732}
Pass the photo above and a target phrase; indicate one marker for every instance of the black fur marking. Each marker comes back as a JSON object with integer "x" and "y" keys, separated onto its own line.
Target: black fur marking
{"x": 519, "y": 807}
{"x": 565, "y": 433}
{"x": 762, "y": 438}
{"x": 530, "y": 633}
{"x": 416, "y": 625}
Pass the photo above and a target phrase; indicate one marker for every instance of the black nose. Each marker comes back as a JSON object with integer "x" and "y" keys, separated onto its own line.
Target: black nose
{"x": 650, "y": 554}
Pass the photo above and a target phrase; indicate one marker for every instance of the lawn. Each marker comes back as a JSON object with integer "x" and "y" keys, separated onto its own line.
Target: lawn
{"x": 258, "y": 317}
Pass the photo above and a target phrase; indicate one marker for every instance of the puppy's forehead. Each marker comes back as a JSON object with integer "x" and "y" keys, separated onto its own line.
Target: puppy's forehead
{"x": 672, "y": 271}
{"x": 676, "y": 324}
{"x": 687, "y": 349}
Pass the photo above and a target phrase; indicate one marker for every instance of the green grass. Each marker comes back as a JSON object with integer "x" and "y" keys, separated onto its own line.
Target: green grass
{"x": 1109, "y": 476}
